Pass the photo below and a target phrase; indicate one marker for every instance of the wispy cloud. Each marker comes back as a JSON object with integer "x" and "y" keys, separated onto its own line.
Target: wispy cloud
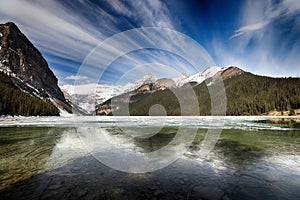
{"x": 77, "y": 78}
{"x": 267, "y": 43}
{"x": 290, "y": 6}
{"x": 251, "y": 27}
{"x": 67, "y": 31}
{"x": 116, "y": 53}
{"x": 266, "y": 14}
{"x": 70, "y": 31}
{"x": 148, "y": 13}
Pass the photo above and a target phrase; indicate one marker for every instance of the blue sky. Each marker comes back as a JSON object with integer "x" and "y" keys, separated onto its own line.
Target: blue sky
{"x": 260, "y": 36}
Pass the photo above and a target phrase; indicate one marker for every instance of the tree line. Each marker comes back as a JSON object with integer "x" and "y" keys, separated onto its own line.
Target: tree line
{"x": 13, "y": 101}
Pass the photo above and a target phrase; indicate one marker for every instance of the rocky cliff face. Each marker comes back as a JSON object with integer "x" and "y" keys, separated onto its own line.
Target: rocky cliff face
{"x": 24, "y": 60}
{"x": 231, "y": 72}
{"x": 19, "y": 58}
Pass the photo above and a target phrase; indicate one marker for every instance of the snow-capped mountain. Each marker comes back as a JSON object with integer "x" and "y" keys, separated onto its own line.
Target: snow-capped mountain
{"x": 89, "y": 95}
{"x": 199, "y": 77}
{"x": 181, "y": 80}
{"x": 149, "y": 78}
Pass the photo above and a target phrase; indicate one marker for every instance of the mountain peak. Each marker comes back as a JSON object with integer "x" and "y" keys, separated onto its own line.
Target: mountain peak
{"x": 231, "y": 71}
{"x": 10, "y": 30}
{"x": 199, "y": 77}
{"x": 148, "y": 78}
{"x": 12, "y": 25}
{"x": 23, "y": 60}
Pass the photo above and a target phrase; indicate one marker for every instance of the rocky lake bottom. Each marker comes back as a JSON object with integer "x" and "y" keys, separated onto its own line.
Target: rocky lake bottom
{"x": 58, "y": 158}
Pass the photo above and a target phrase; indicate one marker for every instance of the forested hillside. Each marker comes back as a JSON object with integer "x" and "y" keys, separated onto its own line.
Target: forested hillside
{"x": 13, "y": 101}
{"x": 251, "y": 94}
{"x": 247, "y": 94}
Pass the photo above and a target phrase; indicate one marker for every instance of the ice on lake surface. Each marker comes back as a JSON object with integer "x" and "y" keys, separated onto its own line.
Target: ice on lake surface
{"x": 213, "y": 122}
{"x": 99, "y": 157}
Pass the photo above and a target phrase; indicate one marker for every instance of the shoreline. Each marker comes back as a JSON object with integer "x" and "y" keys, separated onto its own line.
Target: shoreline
{"x": 10, "y": 117}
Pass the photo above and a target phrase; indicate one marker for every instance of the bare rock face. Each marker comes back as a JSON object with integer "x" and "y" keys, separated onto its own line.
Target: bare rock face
{"x": 230, "y": 72}
{"x": 19, "y": 56}
{"x": 164, "y": 83}
{"x": 24, "y": 60}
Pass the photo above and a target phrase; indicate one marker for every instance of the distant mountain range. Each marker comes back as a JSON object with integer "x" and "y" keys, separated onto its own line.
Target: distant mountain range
{"x": 246, "y": 94}
{"x": 29, "y": 74}
{"x": 88, "y": 96}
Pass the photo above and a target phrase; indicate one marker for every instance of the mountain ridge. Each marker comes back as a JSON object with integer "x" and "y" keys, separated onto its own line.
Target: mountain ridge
{"x": 87, "y": 96}
{"x": 162, "y": 84}
{"x": 96, "y": 94}
{"x": 246, "y": 93}
{"x": 25, "y": 65}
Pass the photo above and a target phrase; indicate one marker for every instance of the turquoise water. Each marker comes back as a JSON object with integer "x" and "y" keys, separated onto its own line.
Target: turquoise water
{"x": 54, "y": 158}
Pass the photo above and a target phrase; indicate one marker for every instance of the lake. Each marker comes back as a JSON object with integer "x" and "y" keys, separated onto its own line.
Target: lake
{"x": 150, "y": 158}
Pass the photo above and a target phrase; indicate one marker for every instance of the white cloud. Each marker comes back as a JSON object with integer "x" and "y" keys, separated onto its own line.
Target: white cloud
{"x": 51, "y": 27}
{"x": 151, "y": 13}
{"x": 251, "y": 27}
{"x": 58, "y": 29}
{"x": 261, "y": 45}
{"x": 77, "y": 78}
{"x": 291, "y": 5}
{"x": 258, "y": 14}
{"x": 121, "y": 46}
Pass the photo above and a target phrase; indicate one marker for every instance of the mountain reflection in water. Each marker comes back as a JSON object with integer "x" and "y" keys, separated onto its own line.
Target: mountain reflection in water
{"x": 53, "y": 163}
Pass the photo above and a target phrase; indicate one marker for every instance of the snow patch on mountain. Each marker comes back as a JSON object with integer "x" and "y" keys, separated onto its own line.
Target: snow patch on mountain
{"x": 149, "y": 78}
{"x": 199, "y": 77}
{"x": 87, "y": 96}
{"x": 181, "y": 80}
{"x": 5, "y": 69}
{"x": 80, "y": 89}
